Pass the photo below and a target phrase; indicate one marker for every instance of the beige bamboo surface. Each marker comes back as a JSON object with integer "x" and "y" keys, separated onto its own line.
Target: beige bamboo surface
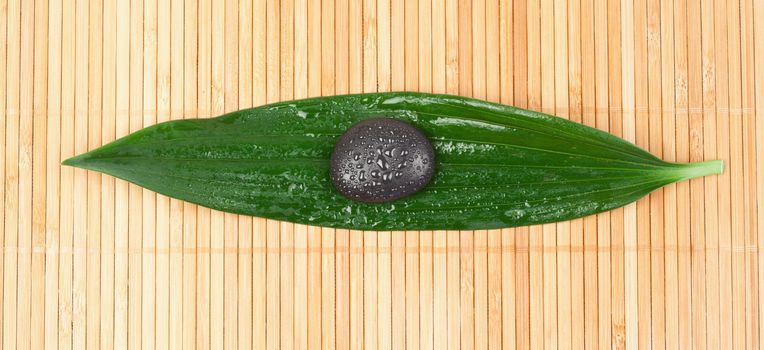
{"x": 93, "y": 262}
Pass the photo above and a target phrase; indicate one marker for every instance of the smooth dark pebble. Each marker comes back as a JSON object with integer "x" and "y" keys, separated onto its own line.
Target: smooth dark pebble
{"x": 372, "y": 161}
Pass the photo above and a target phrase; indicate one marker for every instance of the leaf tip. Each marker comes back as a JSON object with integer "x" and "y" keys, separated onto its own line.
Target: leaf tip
{"x": 78, "y": 161}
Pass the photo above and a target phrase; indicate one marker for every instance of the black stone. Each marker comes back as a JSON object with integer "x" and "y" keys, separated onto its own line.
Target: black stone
{"x": 380, "y": 160}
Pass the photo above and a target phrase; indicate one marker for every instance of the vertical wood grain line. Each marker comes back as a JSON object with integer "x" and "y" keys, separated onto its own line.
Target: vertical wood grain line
{"x": 3, "y": 119}
{"x": 749, "y": 178}
{"x": 25, "y": 171}
{"x": 736, "y": 174}
{"x": 39, "y": 173}
{"x": 52, "y": 208}
{"x": 709, "y": 149}
{"x": 722, "y": 138}
{"x": 759, "y": 40}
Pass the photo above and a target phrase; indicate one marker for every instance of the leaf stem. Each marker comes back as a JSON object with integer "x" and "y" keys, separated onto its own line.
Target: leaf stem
{"x": 699, "y": 169}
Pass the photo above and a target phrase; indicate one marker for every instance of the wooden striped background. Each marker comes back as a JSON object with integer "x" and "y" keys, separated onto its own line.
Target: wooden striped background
{"x": 88, "y": 261}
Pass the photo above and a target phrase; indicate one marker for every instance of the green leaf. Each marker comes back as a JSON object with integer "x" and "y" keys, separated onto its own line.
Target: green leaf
{"x": 497, "y": 166}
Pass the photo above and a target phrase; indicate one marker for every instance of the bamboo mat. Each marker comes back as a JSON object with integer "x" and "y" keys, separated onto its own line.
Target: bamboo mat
{"x": 90, "y": 261}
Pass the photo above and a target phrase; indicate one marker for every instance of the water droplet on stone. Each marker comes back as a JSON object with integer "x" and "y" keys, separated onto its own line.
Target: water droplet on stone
{"x": 382, "y": 163}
